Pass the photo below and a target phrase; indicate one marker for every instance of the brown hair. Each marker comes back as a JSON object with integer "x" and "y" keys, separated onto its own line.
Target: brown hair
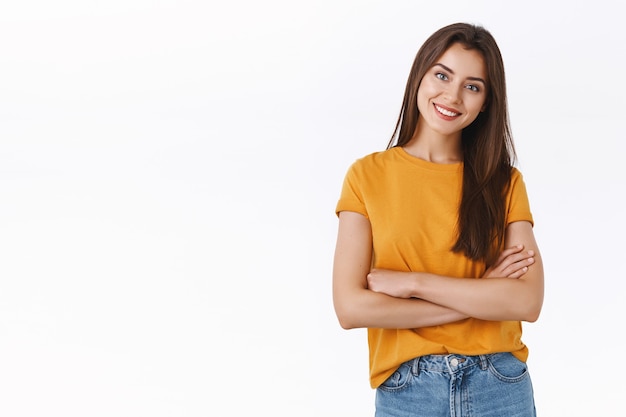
{"x": 488, "y": 152}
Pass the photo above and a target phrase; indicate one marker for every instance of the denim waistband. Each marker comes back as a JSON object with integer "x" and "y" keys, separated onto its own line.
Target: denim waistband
{"x": 451, "y": 363}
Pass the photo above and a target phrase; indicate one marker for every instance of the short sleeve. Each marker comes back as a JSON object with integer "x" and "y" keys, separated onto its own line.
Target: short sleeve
{"x": 518, "y": 206}
{"x": 351, "y": 197}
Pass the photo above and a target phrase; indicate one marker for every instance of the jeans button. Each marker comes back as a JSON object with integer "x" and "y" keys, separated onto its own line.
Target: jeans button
{"x": 454, "y": 362}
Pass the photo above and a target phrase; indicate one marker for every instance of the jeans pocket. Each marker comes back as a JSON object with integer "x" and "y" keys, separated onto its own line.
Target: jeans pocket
{"x": 400, "y": 377}
{"x": 507, "y": 368}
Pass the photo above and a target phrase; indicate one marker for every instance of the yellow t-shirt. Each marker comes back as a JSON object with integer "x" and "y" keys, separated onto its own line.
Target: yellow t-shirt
{"x": 412, "y": 206}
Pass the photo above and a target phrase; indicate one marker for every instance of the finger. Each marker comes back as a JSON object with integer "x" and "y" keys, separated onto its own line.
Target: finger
{"x": 520, "y": 266}
{"x": 519, "y": 273}
{"x": 508, "y": 252}
{"x": 506, "y": 263}
{"x": 514, "y": 258}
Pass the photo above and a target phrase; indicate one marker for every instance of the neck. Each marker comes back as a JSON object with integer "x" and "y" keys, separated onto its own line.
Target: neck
{"x": 434, "y": 147}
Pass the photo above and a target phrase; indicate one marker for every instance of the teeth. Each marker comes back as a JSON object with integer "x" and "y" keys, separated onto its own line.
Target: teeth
{"x": 446, "y": 112}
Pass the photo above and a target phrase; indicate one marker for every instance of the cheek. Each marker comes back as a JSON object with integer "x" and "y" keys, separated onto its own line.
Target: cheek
{"x": 427, "y": 89}
{"x": 476, "y": 105}
{"x": 424, "y": 94}
{"x": 422, "y": 104}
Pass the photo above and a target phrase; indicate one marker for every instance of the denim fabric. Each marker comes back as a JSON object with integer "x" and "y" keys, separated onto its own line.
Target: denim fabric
{"x": 495, "y": 385}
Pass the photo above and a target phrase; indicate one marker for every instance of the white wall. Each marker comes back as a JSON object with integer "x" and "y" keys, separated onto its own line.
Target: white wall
{"x": 168, "y": 176}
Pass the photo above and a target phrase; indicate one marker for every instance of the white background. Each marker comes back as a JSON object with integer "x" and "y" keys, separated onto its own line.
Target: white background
{"x": 168, "y": 176}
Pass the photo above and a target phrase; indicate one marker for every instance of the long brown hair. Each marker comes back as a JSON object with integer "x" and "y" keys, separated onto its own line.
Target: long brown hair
{"x": 488, "y": 151}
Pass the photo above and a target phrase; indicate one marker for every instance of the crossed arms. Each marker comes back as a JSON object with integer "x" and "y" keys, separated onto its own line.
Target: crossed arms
{"x": 512, "y": 289}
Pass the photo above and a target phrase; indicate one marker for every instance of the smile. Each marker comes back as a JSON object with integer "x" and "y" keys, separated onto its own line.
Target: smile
{"x": 446, "y": 112}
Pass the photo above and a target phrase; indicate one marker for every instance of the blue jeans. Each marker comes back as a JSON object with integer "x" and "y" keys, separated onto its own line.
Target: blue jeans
{"x": 494, "y": 385}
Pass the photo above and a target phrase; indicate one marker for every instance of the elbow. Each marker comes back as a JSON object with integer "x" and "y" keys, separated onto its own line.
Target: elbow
{"x": 346, "y": 321}
{"x": 346, "y": 324}
{"x": 531, "y": 311}
{"x": 348, "y": 309}
{"x": 529, "y": 304}
{"x": 347, "y": 317}
{"x": 532, "y": 315}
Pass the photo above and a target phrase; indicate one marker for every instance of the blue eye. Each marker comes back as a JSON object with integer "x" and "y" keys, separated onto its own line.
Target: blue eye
{"x": 473, "y": 88}
{"x": 441, "y": 76}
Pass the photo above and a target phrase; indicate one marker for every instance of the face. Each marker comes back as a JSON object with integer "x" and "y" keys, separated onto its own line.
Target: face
{"x": 453, "y": 91}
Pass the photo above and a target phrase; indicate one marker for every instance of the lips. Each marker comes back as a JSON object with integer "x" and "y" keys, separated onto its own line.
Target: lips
{"x": 446, "y": 112}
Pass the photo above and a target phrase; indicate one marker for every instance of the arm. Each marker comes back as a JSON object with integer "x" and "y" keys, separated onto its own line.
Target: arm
{"x": 496, "y": 298}
{"x": 358, "y": 306}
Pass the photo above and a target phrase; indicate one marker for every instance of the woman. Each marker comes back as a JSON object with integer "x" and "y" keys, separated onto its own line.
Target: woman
{"x": 435, "y": 252}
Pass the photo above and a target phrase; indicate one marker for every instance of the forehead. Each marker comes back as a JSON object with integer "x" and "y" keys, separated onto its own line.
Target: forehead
{"x": 464, "y": 62}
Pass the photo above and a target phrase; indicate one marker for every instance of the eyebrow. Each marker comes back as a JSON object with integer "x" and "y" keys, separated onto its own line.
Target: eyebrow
{"x": 452, "y": 72}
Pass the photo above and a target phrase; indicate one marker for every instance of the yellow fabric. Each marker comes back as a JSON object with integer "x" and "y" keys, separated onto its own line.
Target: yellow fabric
{"x": 412, "y": 206}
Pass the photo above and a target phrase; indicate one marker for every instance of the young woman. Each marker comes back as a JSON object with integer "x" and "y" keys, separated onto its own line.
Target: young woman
{"x": 435, "y": 252}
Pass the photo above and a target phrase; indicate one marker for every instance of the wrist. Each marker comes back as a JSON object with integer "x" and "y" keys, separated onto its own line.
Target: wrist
{"x": 416, "y": 279}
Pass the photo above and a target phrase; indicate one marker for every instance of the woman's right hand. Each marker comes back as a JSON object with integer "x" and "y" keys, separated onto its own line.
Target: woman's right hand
{"x": 513, "y": 262}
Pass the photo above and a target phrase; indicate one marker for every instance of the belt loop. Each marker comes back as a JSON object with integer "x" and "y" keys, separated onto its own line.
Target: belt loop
{"x": 416, "y": 366}
{"x": 483, "y": 362}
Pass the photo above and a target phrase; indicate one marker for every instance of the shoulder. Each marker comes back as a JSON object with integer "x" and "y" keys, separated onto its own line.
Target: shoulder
{"x": 517, "y": 178}
{"x": 515, "y": 173}
{"x": 369, "y": 170}
{"x": 374, "y": 160}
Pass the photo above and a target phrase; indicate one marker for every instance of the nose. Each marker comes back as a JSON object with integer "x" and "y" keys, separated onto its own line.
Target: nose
{"x": 452, "y": 93}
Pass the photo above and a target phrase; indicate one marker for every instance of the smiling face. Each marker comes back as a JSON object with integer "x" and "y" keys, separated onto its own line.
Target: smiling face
{"x": 452, "y": 92}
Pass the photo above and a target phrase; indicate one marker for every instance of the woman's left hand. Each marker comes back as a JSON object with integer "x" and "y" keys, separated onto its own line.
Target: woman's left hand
{"x": 394, "y": 283}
